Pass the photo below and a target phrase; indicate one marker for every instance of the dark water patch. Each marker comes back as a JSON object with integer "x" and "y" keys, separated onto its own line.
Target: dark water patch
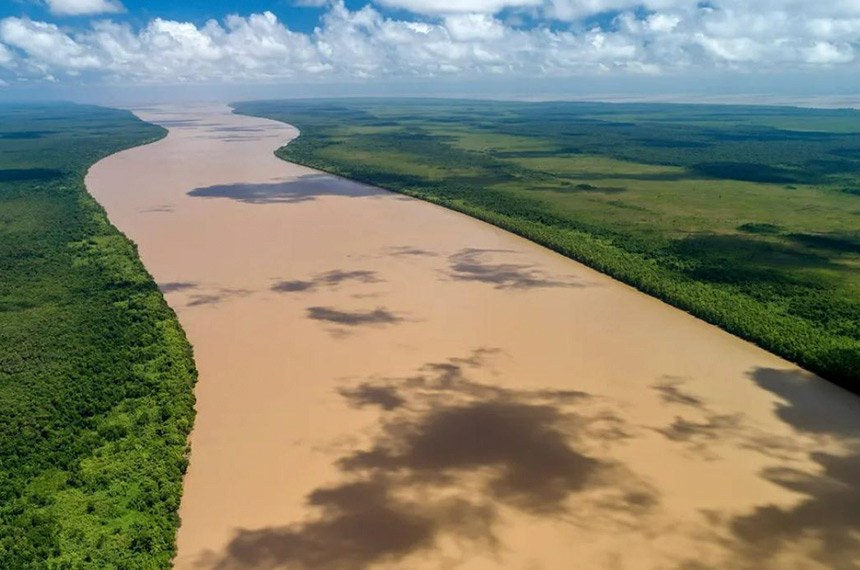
{"x": 811, "y": 405}
{"x": 163, "y": 209}
{"x": 378, "y": 316}
{"x": 703, "y": 429}
{"x": 367, "y": 394}
{"x": 175, "y": 286}
{"x": 29, "y": 174}
{"x": 712, "y": 428}
{"x": 472, "y": 264}
{"x": 198, "y": 300}
{"x": 234, "y": 129}
{"x": 822, "y": 524}
{"x": 178, "y": 122}
{"x": 293, "y": 286}
{"x": 330, "y": 279}
{"x": 361, "y": 524}
{"x": 671, "y": 392}
{"x": 830, "y": 509}
{"x": 534, "y": 466}
{"x": 216, "y": 297}
{"x": 409, "y": 251}
{"x": 829, "y": 515}
{"x": 447, "y": 450}
{"x": 303, "y": 189}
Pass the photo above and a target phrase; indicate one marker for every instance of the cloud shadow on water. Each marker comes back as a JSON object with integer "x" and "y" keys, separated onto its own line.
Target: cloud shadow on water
{"x": 174, "y": 286}
{"x": 828, "y": 515}
{"x": 329, "y": 279}
{"x": 472, "y": 264}
{"x": 378, "y": 316}
{"x": 406, "y": 250}
{"x": 703, "y": 429}
{"x": 448, "y": 455}
{"x": 303, "y": 189}
{"x": 216, "y": 296}
{"x": 162, "y": 209}
{"x": 369, "y": 394}
{"x": 822, "y": 528}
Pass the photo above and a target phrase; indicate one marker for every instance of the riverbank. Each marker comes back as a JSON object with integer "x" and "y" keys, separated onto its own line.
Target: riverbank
{"x": 386, "y": 382}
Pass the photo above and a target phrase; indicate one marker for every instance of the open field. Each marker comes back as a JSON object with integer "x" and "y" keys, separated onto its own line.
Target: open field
{"x": 747, "y": 217}
{"x": 95, "y": 373}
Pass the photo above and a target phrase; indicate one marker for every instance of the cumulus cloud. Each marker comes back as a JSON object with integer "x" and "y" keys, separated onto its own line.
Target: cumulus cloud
{"x": 460, "y": 6}
{"x": 84, "y": 7}
{"x": 46, "y": 46}
{"x": 472, "y": 38}
{"x": 6, "y": 56}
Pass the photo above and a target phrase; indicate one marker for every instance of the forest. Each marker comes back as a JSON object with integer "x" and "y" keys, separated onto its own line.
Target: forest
{"x": 96, "y": 375}
{"x": 747, "y": 217}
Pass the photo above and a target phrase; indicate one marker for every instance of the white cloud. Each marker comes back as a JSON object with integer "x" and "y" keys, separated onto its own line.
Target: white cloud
{"x": 6, "y": 56}
{"x": 457, "y": 6}
{"x": 84, "y": 7}
{"x": 470, "y": 27}
{"x": 46, "y": 45}
{"x": 645, "y": 36}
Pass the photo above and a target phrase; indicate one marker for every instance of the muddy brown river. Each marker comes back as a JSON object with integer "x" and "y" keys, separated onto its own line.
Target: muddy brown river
{"x": 387, "y": 384}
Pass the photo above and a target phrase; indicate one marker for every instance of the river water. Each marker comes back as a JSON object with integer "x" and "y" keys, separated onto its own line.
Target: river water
{"x": 388, "y": 384}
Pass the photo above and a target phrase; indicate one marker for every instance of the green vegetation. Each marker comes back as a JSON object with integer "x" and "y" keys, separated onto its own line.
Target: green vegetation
{"x": 748, "y": 217}
{"x": 96, "y": 376}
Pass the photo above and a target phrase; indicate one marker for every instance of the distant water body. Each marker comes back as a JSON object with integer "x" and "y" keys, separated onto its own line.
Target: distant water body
{"x": 388, "y": 384}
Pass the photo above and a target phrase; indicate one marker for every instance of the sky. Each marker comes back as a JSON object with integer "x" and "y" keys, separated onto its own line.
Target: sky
{"x": 526, "y": 49}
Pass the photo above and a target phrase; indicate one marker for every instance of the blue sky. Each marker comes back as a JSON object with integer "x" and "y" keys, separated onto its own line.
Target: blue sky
{"x": 139, "y": 12}
{"x": 513, "y": 48}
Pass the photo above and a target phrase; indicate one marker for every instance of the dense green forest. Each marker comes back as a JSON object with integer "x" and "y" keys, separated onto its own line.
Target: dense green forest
{"x": 747, "y": 217}
{"x": 96, "y": 376}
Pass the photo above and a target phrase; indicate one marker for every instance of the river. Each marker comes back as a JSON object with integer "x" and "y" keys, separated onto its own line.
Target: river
{"x": 386, "y": 383}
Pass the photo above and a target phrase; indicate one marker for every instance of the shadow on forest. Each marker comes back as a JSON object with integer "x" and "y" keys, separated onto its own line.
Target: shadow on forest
{"x": 29, "y": 174}
{"x": 447, "y": 455}
{"x": 755, "y": 172}
{"x": 303, "y": 189}
{"x": 24, "y": 135}
{"x": 744, "y": 258}
{"x": 842, "y": 243}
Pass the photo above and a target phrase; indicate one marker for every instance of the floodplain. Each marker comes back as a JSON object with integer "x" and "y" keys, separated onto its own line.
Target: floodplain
{"x": 386, "y": 383}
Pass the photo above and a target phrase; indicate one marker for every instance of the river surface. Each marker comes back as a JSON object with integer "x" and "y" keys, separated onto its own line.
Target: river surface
{"x": 388, "y": 384}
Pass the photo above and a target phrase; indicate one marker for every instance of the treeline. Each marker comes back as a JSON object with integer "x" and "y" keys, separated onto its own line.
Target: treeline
{"x": 763, "y": 288}
{"x": 96, "y": 375}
